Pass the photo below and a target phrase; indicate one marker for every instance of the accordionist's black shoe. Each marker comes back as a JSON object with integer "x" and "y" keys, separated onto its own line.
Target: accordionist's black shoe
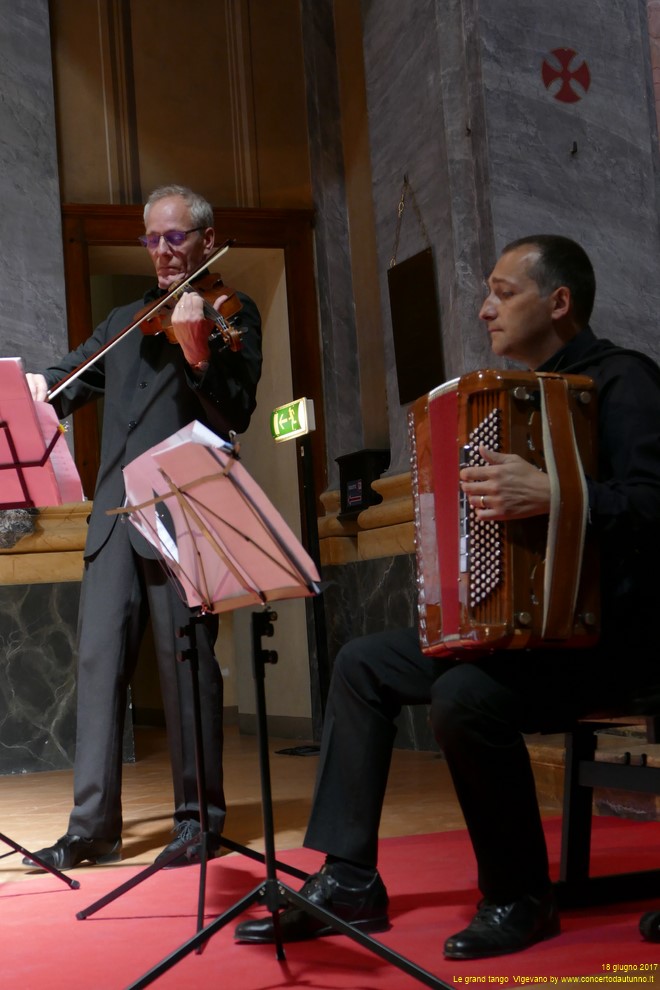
{"x": 363, "y": 907}
{"x": 498, "y": 929}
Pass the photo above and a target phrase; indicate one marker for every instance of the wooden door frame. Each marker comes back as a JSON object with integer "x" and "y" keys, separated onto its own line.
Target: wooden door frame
{"x": 88, "y": 225}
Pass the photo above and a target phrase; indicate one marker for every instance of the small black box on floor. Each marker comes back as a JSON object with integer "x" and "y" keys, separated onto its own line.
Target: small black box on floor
{"x": 356, "y": 472}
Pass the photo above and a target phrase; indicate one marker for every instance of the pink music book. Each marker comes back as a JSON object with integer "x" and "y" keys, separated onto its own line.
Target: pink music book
{"x": 36, "y": 467}
{"x": 218, "y": 533}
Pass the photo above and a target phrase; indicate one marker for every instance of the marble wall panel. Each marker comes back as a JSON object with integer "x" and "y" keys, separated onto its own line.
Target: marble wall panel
{"x": 38, "y": 678}
{"x": 369, "y": 596}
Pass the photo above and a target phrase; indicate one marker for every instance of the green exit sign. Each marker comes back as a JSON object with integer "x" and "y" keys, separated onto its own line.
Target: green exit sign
{"x": 293, "y": 420}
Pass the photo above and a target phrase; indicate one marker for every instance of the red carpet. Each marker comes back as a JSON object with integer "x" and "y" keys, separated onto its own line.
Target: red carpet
{"x": 431, "y": 881}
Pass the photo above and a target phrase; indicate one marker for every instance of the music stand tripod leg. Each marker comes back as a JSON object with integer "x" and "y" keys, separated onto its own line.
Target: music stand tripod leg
{"x": 262, "y": 625}
{"x": 74, "y": 884}
{"x": 192, "y": 656}
{"x": 276, "y": 894}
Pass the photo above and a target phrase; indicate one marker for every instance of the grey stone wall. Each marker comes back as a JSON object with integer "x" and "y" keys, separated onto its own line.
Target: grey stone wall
{"x": 588, "y": 169}
{"x": 37, "y": 624}
{"x": 457, "y": 101}
{"x": 32, "y": 300}
{"x": 335, "y": 283}
{"x": 426, "y": 121}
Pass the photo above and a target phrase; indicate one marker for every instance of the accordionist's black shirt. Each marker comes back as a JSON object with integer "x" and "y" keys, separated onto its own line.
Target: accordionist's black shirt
{"x": 624, "y": 500}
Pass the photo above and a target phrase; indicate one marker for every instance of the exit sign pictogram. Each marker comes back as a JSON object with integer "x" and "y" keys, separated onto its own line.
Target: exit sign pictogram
{"x": 295, "y": 419}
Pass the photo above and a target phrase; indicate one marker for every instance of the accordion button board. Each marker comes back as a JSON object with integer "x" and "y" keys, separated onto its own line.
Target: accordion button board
{"x": 488, "y": 585}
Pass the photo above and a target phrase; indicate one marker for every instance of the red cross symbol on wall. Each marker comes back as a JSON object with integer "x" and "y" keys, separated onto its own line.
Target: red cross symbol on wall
{"x": 574, "y": 82}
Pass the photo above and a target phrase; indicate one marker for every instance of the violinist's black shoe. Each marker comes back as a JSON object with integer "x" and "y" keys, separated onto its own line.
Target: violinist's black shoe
{"x": 364, "y": 907}
{"x": 497, "y": 929}
{"x": 190, "y": 853}
{"x": 71, "y": 850}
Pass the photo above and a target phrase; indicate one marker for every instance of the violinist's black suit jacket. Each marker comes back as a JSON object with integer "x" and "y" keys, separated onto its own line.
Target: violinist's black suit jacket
{"x": 149, "y": 392}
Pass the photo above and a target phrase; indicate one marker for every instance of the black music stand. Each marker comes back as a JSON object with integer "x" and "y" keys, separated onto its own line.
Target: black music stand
{"x": 36, "y": 469}
{"x": 247, "y": 555}
{"x": 158, "y": 524}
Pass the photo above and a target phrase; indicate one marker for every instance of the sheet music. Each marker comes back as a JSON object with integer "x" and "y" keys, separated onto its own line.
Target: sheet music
{"x": 224, "y": 541}
{"x": 27, "y": 429}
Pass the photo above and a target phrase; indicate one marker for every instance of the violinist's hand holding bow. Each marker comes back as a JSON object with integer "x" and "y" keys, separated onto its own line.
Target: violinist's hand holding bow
{"x": 192, "y": 328}
{"x": 506, "y": 487}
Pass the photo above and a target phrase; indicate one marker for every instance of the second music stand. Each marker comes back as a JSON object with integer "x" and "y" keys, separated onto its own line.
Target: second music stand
{"x": 227, "y": 547}
{"x": 178, "y": 525}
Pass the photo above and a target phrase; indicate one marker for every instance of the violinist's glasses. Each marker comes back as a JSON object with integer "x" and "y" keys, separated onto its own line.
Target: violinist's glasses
{"x": 173, "y": 237}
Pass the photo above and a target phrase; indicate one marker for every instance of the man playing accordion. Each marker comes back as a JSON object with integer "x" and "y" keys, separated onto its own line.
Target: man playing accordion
{"x": 536, "y": 312}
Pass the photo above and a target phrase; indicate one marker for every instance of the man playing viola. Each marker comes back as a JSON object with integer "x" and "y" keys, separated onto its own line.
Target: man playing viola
{"x": 151, "y": 387}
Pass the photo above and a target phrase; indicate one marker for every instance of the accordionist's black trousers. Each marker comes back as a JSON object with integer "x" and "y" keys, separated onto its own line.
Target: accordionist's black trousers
{"x": 479, "y": 711}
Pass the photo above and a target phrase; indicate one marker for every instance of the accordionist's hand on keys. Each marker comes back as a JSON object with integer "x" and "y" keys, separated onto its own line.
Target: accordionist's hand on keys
{"x": 506, "y": 487}
{"x": 38, "y": 387}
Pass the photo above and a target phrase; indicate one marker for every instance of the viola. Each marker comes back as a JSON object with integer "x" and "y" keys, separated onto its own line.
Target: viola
{"x": 157, "y": 316}
{"x": 209, "y": 287}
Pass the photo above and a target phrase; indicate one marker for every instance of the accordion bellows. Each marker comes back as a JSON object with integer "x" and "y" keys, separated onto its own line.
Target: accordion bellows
{"x": 487, "y": 585}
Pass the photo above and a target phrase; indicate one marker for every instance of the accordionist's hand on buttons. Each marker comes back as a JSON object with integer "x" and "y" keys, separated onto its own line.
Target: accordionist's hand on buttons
{"x": 38, "y": 387}
{"x": 506, "y": 487}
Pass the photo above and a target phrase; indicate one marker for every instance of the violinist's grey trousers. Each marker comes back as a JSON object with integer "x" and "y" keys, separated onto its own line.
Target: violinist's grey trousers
{"x": 120, "y": 589}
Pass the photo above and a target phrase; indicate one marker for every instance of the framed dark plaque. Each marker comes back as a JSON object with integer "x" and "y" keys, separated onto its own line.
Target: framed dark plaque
{"x": 416, "y": 325}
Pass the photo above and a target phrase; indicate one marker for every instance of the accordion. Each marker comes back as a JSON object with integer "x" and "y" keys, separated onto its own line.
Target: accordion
{"x": 484, "y": 585}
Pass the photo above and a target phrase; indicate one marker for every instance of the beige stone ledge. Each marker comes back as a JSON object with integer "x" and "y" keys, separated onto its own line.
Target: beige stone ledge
{"x": 331, "y": 526}
{"x": 390, "y": 541}
{"x": 386, "y": 513}
{"x": 57, "y": 528}
{"x": 331, "y": 502}
{"x": 53, "y": 552}
{"x": 396, "y": 487}
{"x": 335, "y": 550}
{"x": 382, "y": 530}
{"x": 41, "y": 568}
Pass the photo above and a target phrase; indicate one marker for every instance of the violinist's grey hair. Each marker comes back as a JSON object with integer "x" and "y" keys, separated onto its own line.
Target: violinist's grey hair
{"x": 201, "y": 211}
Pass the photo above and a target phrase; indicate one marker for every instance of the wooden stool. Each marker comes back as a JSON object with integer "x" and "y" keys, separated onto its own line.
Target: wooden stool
{"x": 584, "y": 772}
